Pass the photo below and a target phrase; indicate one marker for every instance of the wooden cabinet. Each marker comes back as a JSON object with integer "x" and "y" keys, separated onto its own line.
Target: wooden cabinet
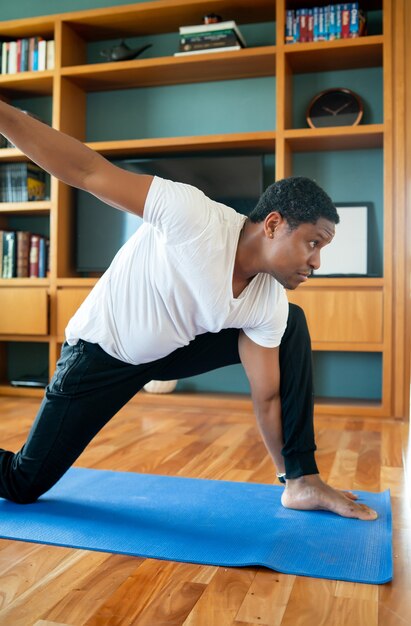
{"x": 24, "y": 311}
{"x": 68, "y": 301}
{"x": 358, "y": 314}
{"x": 347, "y": 319}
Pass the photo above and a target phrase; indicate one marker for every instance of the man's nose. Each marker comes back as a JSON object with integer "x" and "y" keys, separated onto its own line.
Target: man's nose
{"x": 315, "y": 260}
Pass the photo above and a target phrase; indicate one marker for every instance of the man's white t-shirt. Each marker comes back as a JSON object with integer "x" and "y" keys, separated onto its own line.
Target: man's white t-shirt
{"x": 172, "y": 280}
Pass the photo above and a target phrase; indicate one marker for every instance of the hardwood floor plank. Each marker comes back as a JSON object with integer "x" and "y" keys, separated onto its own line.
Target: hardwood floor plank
{"x": 266, "y": 599}
{"x": 49, "y": 586}
{"x": 80, "y": 603}
{"x": 220, "y": 602}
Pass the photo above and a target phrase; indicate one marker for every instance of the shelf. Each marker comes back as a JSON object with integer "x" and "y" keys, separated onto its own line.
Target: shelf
{"x": 163, "y": 16}
{"x": 334, "y": 346}
{"x": 335, "y": 138}
{"x": 41, "y": 207}
{"x": 35, "y": 26}
{"x": 210, "y": 66}
{"x": 12, "y": 155}
{"x": 347, "y": 406}
{"x": 27, "y": 83}
{"x": 24, "y": 282}
{"x": 28, "y": 392}
{"x": 263, "y": 141}
{"x": 317, "y": 282}
{"x": 76, "y": 282}
{"x": 341, "y": 54}
{"x": 25, "y": 338}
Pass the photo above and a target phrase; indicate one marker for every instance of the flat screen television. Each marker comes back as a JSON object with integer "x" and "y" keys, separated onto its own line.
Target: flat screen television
{"x": 101, "y": 230}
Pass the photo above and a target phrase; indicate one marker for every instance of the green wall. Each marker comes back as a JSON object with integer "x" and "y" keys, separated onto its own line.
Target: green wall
{"x": 241, "y": 106}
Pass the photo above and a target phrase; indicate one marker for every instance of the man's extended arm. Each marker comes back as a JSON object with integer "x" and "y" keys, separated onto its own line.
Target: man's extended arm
{"x": 263, "y": 372}
{"x": 74, "y": 163}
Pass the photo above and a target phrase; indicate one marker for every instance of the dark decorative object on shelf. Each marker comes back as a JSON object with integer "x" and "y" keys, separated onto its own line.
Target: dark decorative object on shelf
{"x": 335, "y": 107}
{"x": 123, "y": 52}
{"x": 212, "y": 18}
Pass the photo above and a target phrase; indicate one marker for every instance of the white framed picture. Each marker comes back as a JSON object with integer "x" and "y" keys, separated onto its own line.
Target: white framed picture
{"x": 347, "y": 253}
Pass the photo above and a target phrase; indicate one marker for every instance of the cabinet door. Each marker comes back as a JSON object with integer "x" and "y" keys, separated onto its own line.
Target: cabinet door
{"x": 23, "y": 311}
{"x": 342, "y": 316}
{"x": 68, "y": 301}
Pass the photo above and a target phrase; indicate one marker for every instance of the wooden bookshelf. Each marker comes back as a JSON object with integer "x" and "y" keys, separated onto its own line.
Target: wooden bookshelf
{"x": 74, "y": 77}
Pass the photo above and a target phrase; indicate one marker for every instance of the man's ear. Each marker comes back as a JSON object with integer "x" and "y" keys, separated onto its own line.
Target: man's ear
{"x": 271, "y": 223}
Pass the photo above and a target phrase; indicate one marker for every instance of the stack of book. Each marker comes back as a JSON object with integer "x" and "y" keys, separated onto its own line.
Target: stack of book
{"x": 335, "y": 21}
{"x": 217, "y": 37}
{"x": 23, "y": 255}
{"x": 27, "y": 55}
{"x": 22, "y": 182}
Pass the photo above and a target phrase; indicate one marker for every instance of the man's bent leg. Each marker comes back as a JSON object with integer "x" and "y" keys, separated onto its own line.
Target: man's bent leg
{"x": 305, "y": 489}
{"x": 296, "y": 391}
{"x": 87, "y": 389}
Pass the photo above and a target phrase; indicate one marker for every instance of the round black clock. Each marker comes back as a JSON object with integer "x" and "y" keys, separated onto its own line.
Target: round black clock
{"x": 335, "y": 107}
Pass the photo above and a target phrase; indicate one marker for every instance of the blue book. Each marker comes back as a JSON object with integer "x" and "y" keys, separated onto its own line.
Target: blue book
{"x": 42, "y": 258}
{"x": 354, "y": 20}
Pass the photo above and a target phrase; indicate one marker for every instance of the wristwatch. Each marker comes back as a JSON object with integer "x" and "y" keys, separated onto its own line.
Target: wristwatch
{"x": 281, "y": 477}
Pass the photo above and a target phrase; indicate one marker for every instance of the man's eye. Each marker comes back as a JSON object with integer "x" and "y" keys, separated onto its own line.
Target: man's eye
{"x": 313, "y": 244}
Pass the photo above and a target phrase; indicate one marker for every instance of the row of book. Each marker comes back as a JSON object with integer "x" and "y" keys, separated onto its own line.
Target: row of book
{"x": 335, "y": 21}
{"x": 23, "y": 255}
{"x": 22, "y": 182}
{"x": 216, "y": 37}
{"x": 27, "y": 55}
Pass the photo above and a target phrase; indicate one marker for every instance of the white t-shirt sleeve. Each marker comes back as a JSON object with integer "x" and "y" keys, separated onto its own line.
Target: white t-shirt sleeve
{"x": 269, "y": 333}
{"x": 180, "y": 212}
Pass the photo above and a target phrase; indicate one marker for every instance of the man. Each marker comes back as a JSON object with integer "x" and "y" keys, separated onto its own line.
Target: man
{"x": 197, "y": 287}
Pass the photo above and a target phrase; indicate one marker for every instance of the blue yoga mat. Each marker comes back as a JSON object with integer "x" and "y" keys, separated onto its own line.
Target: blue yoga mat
{"x": 204, "y": 521}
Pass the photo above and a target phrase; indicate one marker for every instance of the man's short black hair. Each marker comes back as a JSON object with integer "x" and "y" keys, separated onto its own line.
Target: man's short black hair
{"x": 298, "y": 199}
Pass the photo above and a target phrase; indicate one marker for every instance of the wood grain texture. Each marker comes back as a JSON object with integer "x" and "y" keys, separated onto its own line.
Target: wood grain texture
{"x": 51, "y": 586}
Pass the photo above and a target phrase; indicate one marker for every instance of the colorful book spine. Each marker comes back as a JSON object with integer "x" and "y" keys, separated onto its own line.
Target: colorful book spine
{"x": 325, "y": 23}
{"x": 28, "y": 54}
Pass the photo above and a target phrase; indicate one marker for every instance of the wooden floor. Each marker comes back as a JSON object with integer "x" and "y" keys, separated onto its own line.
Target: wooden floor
{"x": 46, "y": 586}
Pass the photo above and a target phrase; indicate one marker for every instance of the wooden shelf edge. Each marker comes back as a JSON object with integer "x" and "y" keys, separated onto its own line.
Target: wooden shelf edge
{"x": 76, "y": 282}
{"x": 365, "y": 282}
{"x": 336, "y": 44}
{"x": 25, "y": 338}
{"x": 25, "y": 282}
{"x": 335, "y": 138}
{"x": 93, "y": 69}
{"x": 43, "y": 206}
{"x": 27, "y": 392}
{"x": 336, "y": 346}
{"x": 346, "y": 407}
{"x": 259, "y": 141}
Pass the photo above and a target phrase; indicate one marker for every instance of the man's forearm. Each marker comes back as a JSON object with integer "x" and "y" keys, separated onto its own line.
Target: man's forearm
{"x": 57, "y": 153}
{"x": 268, "y": 414}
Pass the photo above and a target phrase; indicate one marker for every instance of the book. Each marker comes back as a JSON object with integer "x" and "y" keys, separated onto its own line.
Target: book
{"x": 9, "y": 254}
{"x": 23, "y": 253}
{"x": 34, "y": 256}
{"x": 289, "y": 18}
{"x": 50, "y": 54}
{"x": 345, "y": 20}
{"x": 22, "y": 182}
{"x": 42, "y": 257}
{"x": 228, "y": 49}
{"x": 219, "y": 40}
{"x": 218, "y": 26}
{"x": 1, "y": 253}
{"x": 42, "y": 55}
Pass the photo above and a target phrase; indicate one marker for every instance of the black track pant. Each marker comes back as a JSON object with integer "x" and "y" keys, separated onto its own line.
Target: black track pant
{"x": 89, "y": 387}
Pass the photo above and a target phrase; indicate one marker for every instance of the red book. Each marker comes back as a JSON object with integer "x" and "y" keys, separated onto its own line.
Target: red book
{"x": 34, "y": 256}
{"x": 345, "y": 21}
